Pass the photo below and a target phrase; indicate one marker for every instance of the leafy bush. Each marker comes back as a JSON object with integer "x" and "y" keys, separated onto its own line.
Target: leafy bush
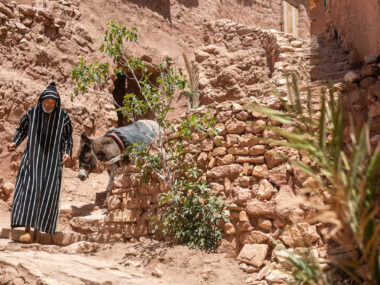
{"x": 191, "y": 212}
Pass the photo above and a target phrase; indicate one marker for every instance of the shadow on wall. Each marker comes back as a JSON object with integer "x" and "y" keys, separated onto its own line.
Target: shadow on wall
{"x": 161, "y": 7}
{"x": 189, "y": 3}
{"x": 245, "y": 2}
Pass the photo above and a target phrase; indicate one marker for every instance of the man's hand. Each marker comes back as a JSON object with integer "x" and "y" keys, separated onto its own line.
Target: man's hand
{"x": 65, "y": 158}
{"x": 12, "y": 146}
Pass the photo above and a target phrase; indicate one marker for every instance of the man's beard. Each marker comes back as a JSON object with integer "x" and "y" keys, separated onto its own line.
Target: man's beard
{"x": 47, "y": 111}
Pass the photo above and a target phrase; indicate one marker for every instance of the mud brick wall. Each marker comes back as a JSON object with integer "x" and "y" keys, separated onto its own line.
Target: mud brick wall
{"x": 260, "y": 187}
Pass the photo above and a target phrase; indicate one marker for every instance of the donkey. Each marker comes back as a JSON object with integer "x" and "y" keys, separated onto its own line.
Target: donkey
{"x": 111, "y": 148}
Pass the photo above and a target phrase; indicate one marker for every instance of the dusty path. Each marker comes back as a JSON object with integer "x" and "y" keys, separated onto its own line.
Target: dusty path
{"x": 145, "y": 262}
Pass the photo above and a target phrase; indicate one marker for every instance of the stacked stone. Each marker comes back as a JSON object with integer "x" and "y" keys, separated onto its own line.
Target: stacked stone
{"x": 362, "y": 100}
{"x": 245, "y": 170}
{"x": 131, "y": 206}
{"x": 239, "y": 61}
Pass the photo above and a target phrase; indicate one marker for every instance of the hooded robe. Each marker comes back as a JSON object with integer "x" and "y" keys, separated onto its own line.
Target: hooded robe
{"x": 38, "y": 184}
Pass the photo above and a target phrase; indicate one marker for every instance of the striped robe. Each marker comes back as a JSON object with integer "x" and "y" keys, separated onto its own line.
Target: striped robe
{"x": 38, "y": 184}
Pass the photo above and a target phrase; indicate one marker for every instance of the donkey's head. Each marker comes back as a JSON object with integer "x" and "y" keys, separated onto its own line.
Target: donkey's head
{"x": 87, "y": 158}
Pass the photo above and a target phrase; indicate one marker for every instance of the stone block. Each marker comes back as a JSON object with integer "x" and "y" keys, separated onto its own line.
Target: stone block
{"x": 257, "y": 208}
{"x": 238, "y": 150}
{"x": 257, "y": 150}
{"x": 229, "y": 171}
{"x": 235, "y": 127}
{"x": 265, "y": 190}
{"x": 255, "y": 127}
{"x": 253, "y": 254}
{"x": 225, "y": 160}
{"x": 248, "y": 140}
{"x": 260, "y": 171}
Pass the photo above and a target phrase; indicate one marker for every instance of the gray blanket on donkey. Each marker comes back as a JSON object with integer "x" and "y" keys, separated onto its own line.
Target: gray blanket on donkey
{"x": 146, "y": 131}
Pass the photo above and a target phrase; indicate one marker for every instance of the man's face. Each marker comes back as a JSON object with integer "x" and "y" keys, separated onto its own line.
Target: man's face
{"x": 48, "y": 105}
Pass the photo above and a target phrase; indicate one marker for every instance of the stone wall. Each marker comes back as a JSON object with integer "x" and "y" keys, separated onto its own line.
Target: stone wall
{"x": 260, "y": 187}
{"x": 357, "y": 25}
{"x": 239, "y": 61}
{"x": 268, "y": 14}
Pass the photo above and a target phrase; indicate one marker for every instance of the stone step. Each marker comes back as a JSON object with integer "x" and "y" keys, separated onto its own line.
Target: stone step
{"x": 88, "y": 224}
{"x": 58, "y": 238}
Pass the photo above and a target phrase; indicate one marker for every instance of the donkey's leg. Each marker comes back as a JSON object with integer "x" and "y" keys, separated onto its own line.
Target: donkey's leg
{"x": 110, "y": 183}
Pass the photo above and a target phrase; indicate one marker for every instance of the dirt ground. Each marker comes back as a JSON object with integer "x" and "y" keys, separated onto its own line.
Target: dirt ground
{"x": 142, "y": 262}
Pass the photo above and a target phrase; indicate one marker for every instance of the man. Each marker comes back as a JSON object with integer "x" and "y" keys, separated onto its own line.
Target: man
{"x": 49, "y": 146}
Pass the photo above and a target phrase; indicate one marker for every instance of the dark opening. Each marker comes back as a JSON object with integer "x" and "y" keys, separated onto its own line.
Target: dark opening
{"x": 118, "y": 94}
{"x": 125, "y": 85}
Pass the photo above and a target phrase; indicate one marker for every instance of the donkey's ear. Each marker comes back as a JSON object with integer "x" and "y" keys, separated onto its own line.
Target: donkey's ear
{"x": 85, "y": 139}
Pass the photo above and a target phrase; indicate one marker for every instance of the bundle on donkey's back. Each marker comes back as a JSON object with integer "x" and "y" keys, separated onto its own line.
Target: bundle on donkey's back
{"x": 113, "y": 144}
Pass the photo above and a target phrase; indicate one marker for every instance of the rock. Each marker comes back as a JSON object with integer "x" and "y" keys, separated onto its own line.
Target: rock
{"x": 227, "y": 77}
{"x": 243, "y": 115}
{"x": 256, "y": 127}
{"x": 244, "y": 31}
{"x": 250, "y": 159}
{"x": 225, "y": 160}
{"x": 253, "y": 254}
{"x": 202, "y": 159}
{"x": 296, "y": 44}
{"x": 230, "y": 171}
{"x": 207, "y": 145}
{"x": 286, "y": 202}
{"x": 265, "y": 191}
{"x": 253, "y": 237}
{"x": 21, "y": 28}
{"x": 232, "y": 140}
{"x": 24, "y": 45}
{"x": 6, "y": 11}
{"x": 260, "y": 171}
{"x": 248, "y": 140}
{"x": 82, "y": 247}
{"x": 257, "y": 150}
{"x": 223, "y": 116}
{"x": 242, "y": 227}
{"x": 265, "y": 224}
{"x": 18, "y": 281}
{"x": 229, "y": 229}
{"x": 221, "y": 129}
{"x": 263, "y": 272}
{"x": 257, "y": 208}
{"x": 243, "y": 217}
{"x": 301, "y": 234}
{"x": 278, "y": 224}
{"x": 235, "y": 127}
{"x": 351, "y": 77}
{"x": 237, "y": 107}
{"x": 8, "y": 274}
{"x": 238, "y": 150}
{"x": 113, "y": 203}
{"x": 218, "y": 151}
{"x": 277, "y": 276}
{"x": 8, "y": 188}
{"x": 278, "y": 175}
{"x": 242, "y": 195}
{"x": 157, "y": 272}
{"x": 370, "y": 70}
{"x": 273, "y": 158}
{"x": 216, "y": 187}
{"x": 374, "y": 109}
{"x": 367, "y": 82}
{"x": 201, "y": 56}
{"x": 27, "y": 10}
{"x": 368, "y": 59}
